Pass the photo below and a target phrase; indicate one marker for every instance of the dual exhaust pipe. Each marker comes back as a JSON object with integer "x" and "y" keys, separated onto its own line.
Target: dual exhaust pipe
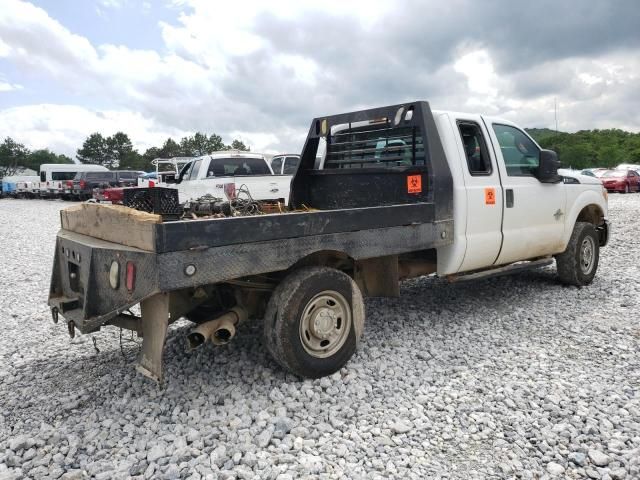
{"x": 219, "y": 331}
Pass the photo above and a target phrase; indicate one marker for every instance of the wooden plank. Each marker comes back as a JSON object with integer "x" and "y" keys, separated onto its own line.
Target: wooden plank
{"x": 113, "y": 223}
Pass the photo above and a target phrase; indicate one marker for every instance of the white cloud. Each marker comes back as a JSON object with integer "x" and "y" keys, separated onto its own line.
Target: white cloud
{"x": 8, "y": 87}
{"x": 63, "y": 128}
{"x": 262, "y": 70}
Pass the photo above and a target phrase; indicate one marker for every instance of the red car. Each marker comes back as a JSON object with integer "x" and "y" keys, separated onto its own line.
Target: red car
{"x": 113, "y": 195}
{"x": 623, "y": 181}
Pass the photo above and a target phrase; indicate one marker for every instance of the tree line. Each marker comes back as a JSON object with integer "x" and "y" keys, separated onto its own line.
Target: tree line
{"x": 590, "y": 148}
{"x": 117, "y": 150}
{"x": 15, "y": 156}
{"x": 583, "y": 149}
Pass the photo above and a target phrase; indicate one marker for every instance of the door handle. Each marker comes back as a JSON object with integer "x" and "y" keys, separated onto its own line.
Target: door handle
{"x": 509, "y": 197}
{"x": 274, "y": 190}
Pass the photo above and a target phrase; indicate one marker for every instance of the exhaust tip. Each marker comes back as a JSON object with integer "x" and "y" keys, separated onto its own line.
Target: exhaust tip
{"x": 195, "y": 339}
{"x": 222, "y": 336}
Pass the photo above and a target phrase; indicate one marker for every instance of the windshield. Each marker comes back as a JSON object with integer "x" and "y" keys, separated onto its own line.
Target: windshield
{"x": 615, "y": 173}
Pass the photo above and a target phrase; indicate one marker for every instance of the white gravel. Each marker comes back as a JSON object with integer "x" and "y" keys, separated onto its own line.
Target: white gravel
{"x": 515, "y": 377}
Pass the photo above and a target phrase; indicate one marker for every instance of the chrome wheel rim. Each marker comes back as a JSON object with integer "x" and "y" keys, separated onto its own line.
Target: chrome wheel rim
{"x": 587, "y": 255}
{"x": 325, "y": 324}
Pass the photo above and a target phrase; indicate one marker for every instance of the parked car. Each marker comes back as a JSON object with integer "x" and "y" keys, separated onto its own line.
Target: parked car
{"x": 285, "y": 164}
{"x": 623, "y": 181}
{"x": 54, "y": 177}
{"x": 109, "y": 195}
{"x": 84, "y": 183}
{"x": 628, "y": 166}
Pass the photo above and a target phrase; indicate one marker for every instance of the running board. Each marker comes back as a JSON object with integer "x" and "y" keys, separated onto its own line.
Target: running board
{"x": 499, "y": 271}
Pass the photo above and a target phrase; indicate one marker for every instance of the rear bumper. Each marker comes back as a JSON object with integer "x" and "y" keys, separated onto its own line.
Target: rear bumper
{"x": 80, "y": 290}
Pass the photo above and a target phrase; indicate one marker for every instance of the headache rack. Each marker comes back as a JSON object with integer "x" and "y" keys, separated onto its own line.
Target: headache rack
{"x": 374, "y": 158}
{"x": 377, "y": 143}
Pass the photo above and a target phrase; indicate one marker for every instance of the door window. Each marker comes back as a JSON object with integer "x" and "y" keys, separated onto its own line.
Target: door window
{"x": 62, "y": 175}
{"x": 291, "y": 165}
{"x": 475, "y": 148}
{"x": 193, "y": 174}
{"x": 276, "y": 165}
{"x": 521, "y": 155}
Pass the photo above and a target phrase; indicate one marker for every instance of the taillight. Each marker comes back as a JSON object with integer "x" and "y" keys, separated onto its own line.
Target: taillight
{"x": 82, "y": 183}
{"x": 151, "y": 183}
{"x": 230, "y": 190}
{"x": 106, "y": 195}
{"x": 131, "y": 276}
{"x": 69, "y": 183}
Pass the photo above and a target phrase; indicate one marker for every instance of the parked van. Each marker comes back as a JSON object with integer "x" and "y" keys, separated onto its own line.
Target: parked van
{"x": 53, "y": 176}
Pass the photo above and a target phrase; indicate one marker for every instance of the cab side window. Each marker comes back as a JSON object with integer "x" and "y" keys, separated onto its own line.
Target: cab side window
{"x": 475, "y": 149}
{"x": 521, "y": 155}
{"x": 291, "y": 165}
{"x": 276, "y": 165}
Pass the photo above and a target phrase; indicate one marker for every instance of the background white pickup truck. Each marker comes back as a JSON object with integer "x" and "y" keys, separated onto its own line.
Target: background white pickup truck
{"x": 210, "y": 173}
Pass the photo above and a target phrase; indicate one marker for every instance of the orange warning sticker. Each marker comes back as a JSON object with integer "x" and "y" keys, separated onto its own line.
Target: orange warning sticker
{"x": 490, "y": 196}
{"x": 414, "y": 184}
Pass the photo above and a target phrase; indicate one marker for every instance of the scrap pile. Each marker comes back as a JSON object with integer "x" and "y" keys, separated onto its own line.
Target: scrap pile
{"x": 164, "y": 202}
{"x": 241, "y": 205}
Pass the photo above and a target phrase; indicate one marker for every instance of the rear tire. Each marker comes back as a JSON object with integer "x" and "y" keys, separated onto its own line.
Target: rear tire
{"x": 578, "y": 264}
{"x": 314, "y": 320}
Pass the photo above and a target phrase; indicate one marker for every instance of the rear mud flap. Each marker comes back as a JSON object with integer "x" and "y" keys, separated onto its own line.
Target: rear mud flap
{"x": 155, "y": 320}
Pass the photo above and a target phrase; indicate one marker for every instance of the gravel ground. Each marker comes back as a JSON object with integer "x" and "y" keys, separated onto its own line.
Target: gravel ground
{"x": 510, "y": 377}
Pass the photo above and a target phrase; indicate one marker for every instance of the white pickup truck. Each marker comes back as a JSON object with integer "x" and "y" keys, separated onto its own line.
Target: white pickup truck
{"x": 379, "y": 195}
{"x": 222, "y": 173}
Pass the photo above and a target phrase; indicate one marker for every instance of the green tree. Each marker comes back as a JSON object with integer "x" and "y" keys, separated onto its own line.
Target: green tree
{"x": 38, "y": 157}
{"x": 591, "y": 148}
{"x": 239, "y": 145}
{"x": 199, "y": 144}
{"x": 95, "y": 150}
{"x": 119, "y": 149}
{"x": 170, "y": 149}
{"x": 13, "y": 155}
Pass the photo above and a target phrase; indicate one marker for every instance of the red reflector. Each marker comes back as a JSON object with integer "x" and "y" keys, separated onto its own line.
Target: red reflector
{"x": 131, "y": 276}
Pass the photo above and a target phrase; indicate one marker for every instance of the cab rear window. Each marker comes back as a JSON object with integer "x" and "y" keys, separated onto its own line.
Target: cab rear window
{"x": 220, "y": 167}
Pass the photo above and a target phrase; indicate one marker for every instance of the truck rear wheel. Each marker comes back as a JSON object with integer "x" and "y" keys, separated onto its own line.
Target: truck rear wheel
{"x": 314, "y": 321}
{"x": 577, "y": 265}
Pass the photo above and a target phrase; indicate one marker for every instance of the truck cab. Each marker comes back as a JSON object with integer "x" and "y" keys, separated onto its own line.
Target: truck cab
{"x": 506, "y": 208}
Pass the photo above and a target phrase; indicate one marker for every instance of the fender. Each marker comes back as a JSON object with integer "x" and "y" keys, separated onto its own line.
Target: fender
{"x": 584, "y": 199}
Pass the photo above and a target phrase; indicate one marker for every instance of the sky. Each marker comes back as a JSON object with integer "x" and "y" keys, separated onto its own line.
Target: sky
{"x": 259, "y": 71}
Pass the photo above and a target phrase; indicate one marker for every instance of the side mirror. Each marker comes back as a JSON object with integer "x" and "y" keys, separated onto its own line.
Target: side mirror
{"x": 547, "y": 171}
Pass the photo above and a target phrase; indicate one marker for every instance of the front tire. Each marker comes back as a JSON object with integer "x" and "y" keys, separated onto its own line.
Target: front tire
{"x": 578, "y": 264}
{"x": 314, "y": 320}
